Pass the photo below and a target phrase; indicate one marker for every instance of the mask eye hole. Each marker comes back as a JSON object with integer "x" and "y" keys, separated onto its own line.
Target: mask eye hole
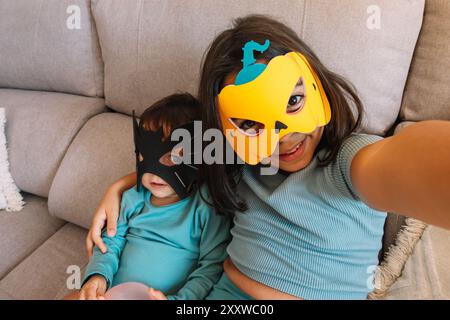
{"x": 248, "y": 127}
{"x": 172, "y": 158}
{"x": 297, "y": 99}
{"x": 141, "y": 158}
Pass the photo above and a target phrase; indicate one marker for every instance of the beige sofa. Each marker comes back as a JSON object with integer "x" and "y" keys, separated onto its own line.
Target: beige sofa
{"x": 69, "y": 89}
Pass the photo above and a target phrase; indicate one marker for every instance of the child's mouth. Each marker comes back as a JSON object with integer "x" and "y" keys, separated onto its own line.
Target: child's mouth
{"x": 294, "y": 152}
{"x": 157, "y": 185}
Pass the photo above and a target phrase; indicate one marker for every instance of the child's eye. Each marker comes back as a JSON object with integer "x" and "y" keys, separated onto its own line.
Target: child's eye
{"x": 166, "y": 160}
{"x": 250, "y": 127}
{"x": 295, "y": 103}
{"x": 172, "y": 158}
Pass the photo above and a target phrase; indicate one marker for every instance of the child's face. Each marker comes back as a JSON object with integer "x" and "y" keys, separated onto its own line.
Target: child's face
{"x": 157, "y": 186}
{"x": 296, "y": 150}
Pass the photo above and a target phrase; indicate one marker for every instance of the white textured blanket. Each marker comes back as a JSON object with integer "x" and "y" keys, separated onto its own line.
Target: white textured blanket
{"x": 426, "y": 274}
{"x": 10, "y": 197}
{"x": 416, "y": 266}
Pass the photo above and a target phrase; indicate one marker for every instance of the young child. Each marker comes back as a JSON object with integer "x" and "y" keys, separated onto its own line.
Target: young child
{"x": 167, "y": 237}
{"x": 314, "y": 229}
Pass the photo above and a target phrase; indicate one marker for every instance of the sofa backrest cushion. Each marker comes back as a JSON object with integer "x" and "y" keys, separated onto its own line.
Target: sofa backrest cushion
{"x": 41, "y": 126}
{"x": 102, "y": 152}
{"x": 427, "y": 94}
{"x": 50, "y": 45}
{"x": 153, "y": 48}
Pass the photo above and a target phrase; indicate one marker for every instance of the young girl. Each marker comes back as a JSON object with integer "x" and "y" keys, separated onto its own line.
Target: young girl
{"x": 314, "y": 229}
{"x": 167, "y": 236}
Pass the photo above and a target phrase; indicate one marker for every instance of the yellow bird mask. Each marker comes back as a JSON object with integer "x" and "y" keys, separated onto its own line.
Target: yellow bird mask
{"x": 261, "y": 93}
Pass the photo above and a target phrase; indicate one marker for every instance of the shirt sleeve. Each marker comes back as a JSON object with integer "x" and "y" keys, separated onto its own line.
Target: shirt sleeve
{"x": 340, "y": 170}
{"x": 214, "y": 240}
{"x": 107, "y": 264}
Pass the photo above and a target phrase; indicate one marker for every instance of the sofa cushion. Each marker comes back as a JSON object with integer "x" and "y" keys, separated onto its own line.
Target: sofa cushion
{"x": 376, "y": 60}
{"x": 102, "y": 152}
{"x": 427, "y": 94}
{"x": 402, "y": 125}
{"x": 151, "y": 49}
{"x": 22, "y": 232}
{"x": 43, "y": 275}
{"x": 5, "y": 296}
{"x": 40, "y": 127}
{"x": 39, "y": 51}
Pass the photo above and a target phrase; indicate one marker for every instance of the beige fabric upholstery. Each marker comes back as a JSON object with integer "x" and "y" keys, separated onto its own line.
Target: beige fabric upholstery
{"x": 42, "y": 53}
{"x": 38, "y": 51}
{"x": 5, "y": 296}
{"x": 24, "y": 231}
{"x": 375, "y": 60}
{"x": 43, "y": 275}
{"x": 40, "y": 127}
{"x": 102, "y": 152}
{"x": 402, "y": 125}
{"x": 151, "y": 49}
{"x": 427, "y": 94}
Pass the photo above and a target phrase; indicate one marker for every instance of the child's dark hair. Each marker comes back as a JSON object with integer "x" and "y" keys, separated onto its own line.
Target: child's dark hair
{"x": 224, "y": 57}
{"x": 171, "y": 112}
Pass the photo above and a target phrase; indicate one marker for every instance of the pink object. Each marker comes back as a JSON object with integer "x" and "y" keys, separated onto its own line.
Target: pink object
{"x": 128, "y": 291}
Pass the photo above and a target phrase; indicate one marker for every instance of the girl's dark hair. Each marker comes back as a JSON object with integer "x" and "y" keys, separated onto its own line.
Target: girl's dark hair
{"x": 171, "y": 112}
{"x": 224, "y": 57}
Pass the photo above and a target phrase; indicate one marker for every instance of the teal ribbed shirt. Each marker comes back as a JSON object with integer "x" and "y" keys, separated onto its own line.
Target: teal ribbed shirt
{"x": 178, "y": 249}
{"x": 308, "y": 234}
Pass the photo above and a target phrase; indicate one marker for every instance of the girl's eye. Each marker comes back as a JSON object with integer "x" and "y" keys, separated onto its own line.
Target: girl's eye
{"x": 250, "y": 127}
{"x": 295, "y": 103}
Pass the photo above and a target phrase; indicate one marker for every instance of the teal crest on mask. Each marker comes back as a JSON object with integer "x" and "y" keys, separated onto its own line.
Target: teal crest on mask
{"x": 250, "y": 69}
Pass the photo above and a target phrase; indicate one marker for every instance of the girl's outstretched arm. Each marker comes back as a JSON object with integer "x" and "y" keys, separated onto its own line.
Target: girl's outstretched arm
{"x": 108, "y": 212}
{"x": 408, "y": 173}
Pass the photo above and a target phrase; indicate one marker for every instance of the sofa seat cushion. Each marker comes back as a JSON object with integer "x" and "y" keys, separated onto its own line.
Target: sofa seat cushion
{"x": 43, "y": 274}
{"x": 102, "y": 152}
{"x": 40, "y": 127}
{"x": 22, "y": 232}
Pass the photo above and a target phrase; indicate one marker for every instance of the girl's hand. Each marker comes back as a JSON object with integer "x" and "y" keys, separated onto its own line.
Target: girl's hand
{"x": 94, "y": 288}
{"x": 156, "y": 294}
{"x": 108, "y": 213}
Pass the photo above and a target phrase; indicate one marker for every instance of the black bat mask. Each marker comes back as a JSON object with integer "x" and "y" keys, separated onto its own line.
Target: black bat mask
{"x": 181, "y": 177}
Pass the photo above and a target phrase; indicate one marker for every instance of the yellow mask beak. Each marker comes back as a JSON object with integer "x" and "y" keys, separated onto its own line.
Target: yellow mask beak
{"x": 265, "y": 100}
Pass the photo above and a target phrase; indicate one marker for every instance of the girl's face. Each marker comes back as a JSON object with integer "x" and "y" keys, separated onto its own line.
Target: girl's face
{"x": 295, "y": 150}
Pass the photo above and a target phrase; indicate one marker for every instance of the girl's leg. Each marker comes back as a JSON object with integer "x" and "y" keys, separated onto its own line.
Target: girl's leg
{"x": 224, "y": 289}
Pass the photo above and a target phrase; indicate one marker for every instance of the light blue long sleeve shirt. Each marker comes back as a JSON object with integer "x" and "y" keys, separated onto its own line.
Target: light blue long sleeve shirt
{"x": 178, "y": 249}
{"x": 308, "y": 234}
